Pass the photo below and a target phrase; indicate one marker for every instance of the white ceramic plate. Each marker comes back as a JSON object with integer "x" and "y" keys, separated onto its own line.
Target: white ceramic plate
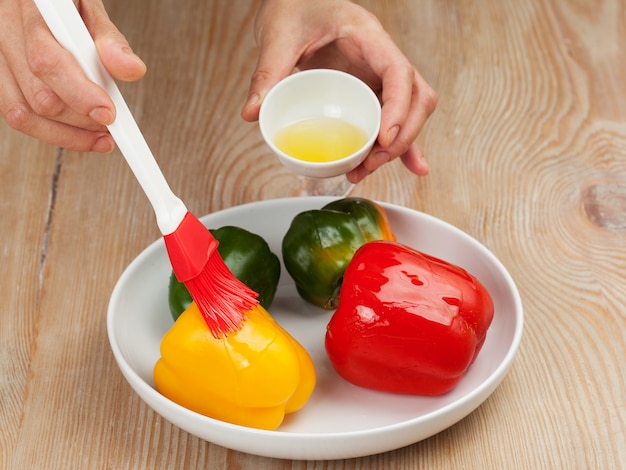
{"x": 340, "y": 420}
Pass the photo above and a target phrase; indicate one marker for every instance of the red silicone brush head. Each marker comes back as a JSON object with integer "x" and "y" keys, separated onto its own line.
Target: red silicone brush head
{"x": 221, "y": 297}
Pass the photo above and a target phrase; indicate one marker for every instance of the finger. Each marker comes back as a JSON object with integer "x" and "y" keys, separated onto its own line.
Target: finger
{"x": 21, "y": 117}
{"x": 374, "y": 160}
{"x": 277, "y": 60}
{"x": 396, "y": 78}
{"x": 357, "y": 175}
{"x": 397, "y": 90}
{"x": 423, "y": 102}
{"x": 113, "y": 48}
{"x": 407, "y": 100}
{"x": 415, "y": 161}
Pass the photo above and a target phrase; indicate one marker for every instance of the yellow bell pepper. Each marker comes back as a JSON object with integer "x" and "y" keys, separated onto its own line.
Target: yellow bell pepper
{"x": 251, "y": 377}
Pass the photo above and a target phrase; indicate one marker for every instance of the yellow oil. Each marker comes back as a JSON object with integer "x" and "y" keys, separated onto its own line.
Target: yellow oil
{"x": 322, "y": 139}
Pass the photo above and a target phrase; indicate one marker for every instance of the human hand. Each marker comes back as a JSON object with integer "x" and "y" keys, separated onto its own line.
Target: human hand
{"x": 44, "y": 92}
{"x": 342, "y": 35}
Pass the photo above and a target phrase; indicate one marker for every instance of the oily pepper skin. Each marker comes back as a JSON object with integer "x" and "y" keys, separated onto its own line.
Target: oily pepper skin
{"x": 251, "y": 377}
{"x": 249, "y": 258}
{"x": 407, "y": 322}
{"x": 320, "y": 243}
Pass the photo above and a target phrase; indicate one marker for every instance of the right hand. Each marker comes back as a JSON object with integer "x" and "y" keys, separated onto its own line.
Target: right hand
{"x": 45, "y": 93}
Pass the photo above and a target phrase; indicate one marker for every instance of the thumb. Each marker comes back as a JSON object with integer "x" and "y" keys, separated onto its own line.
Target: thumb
{"x": 113, "y": 48}
{"x": 277, "y": 60}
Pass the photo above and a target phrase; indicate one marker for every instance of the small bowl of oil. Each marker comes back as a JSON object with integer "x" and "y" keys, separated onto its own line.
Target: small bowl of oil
{"x": 321, "y": 122}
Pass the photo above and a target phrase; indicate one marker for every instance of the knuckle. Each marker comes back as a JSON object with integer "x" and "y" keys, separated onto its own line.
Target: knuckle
{"x": 429, "y": 99}
{"x": 46, "y": 103}
{"x": 260, "y": 76}
{"x": 18, "y": 116}
{"x": 402, "y": 144}
{"x": 39, "y": 62}
{"x": 42, "y": 61}
{"x": 45, "y": 65}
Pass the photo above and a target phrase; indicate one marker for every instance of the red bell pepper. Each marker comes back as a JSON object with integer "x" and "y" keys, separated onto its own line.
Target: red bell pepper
{"x": 406, "y": 322}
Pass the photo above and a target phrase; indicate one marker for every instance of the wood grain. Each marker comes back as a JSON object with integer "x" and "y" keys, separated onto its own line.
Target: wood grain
{"x": 528, "y": 154}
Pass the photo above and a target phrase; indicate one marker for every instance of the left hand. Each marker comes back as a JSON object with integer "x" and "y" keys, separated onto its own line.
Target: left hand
{"x": 341, "y": 35}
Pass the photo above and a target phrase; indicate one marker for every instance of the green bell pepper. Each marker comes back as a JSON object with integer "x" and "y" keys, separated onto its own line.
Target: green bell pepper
{"x": 249, "y": 258}
{"x": 320, "y": 243}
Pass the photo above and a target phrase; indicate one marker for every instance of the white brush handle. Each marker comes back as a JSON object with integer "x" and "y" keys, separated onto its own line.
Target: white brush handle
{"x": 70, "y": 31}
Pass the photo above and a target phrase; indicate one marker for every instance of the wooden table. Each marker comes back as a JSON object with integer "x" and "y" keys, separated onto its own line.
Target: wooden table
{"x": 528, "y": 155}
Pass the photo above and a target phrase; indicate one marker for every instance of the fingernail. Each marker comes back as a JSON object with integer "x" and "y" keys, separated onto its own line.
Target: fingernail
{"x": 355, "y": 176}
{"x": 102, "y": 115}
{"x": 393, "y": 133}
{"x": 104, "y": 144}
{"x": 252, "y": 100}
{"x": 129, "y": 52}
{"x": 352, "y": 177}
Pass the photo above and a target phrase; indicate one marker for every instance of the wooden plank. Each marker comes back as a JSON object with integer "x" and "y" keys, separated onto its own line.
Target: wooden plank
{"x": 27, "y": 180}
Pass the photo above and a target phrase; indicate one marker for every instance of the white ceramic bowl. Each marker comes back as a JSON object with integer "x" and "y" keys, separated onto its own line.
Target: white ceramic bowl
{"x": 314, "y": 94}
{"x": 340, "y": 420}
